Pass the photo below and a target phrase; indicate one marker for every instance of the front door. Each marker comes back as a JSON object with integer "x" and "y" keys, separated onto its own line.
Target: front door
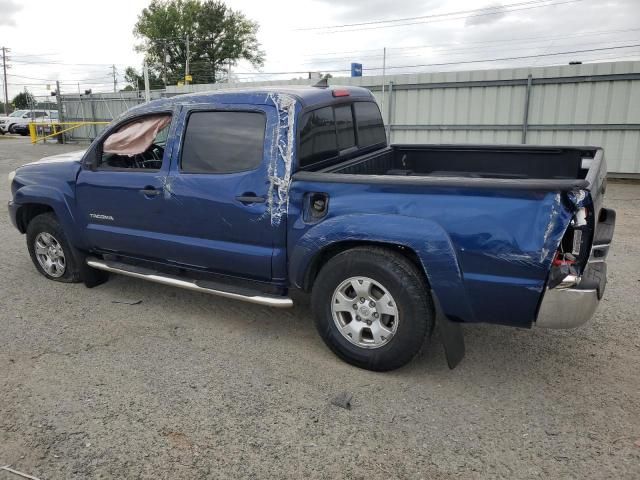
{"x": 120, "y": 197}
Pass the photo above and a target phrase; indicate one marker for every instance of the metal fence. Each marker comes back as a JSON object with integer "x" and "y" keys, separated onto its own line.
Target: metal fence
{"x": 99, "y": 107}
{"x": 590, "y": 104}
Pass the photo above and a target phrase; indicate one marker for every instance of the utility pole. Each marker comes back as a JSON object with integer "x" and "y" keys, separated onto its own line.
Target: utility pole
{"x": 145, "y": 72}
{"x": 115, "y": 80}
{"x": 164, "y": 63}
{"x": 384, "y": 71}
{"x": 186, "y": 64}
{"x": 60, "y": 115}
{"x": 6, "y": 88}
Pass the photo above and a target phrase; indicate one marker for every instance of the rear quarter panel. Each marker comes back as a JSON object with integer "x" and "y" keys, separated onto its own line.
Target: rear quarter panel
{"x": 486, "y": 253}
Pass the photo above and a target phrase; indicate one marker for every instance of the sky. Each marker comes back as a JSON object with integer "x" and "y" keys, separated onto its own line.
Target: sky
{"x": 78, "y": 41}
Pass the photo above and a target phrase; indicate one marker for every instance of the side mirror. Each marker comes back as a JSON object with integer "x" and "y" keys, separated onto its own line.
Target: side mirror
{"x": 91, "y": 159}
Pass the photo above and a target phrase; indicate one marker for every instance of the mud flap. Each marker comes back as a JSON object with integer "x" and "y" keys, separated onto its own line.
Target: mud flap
{"x": 451, "y": 334}
{"x": 92, "y": 277}
{"x": 89, "y": 276}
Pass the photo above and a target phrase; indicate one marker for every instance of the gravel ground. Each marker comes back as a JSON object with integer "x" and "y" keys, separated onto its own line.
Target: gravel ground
{"x": 184, "y": 385}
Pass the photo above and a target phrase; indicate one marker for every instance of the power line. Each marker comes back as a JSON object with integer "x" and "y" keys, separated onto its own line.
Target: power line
{"x": 570, "y": 52}
{"x": 421, "y": 17}
{"x": 72, "y": 64}
{"x": 510, "y": 40}
{"x": 33, "y": 55}
{"x": 436, "y": 18}
{"x": 50, "y": 80}
{"x": 449, "y": 51}
{"x": 486, "y": 60}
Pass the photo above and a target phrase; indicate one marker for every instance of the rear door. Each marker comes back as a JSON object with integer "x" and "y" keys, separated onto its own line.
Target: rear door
{"x": 217, "y": 203}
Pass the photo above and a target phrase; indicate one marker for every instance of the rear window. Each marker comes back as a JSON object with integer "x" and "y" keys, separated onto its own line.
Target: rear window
{"x": 318, "y": 136}
{"x": 370, "y": 125}
{"x": 344, "y": 127}
{"x": 326, "y": 132}
{"x": 223, "y": 142}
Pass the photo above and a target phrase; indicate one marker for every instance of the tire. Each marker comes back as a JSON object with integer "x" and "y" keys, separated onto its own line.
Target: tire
{"x": 11, "y": 129}
{"x": 407, "y": 319}
{"x": 45, "y": 231}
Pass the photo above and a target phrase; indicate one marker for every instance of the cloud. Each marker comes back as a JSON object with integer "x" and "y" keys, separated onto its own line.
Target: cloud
{"x": 8, "y": 8}
{"x": 498, "y": 12}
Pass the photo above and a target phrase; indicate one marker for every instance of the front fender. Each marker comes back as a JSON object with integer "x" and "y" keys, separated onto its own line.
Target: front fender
{"x": 425, "y": 237}
{"x": 60, "y": 202}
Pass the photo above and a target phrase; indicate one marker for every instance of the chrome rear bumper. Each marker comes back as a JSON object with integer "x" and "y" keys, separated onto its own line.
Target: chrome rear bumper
{"x": 567, "y": 307}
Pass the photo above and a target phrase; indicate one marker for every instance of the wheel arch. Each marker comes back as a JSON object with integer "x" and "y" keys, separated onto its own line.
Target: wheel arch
{"x": 424, "y": 242}
{"x": 40, "y": 199}
{"x": 333, "y": 249}
{"x": 28, "y": 211}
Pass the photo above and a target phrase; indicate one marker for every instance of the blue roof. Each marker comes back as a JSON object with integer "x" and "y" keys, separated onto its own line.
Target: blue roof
{"x": 306, "y": 95}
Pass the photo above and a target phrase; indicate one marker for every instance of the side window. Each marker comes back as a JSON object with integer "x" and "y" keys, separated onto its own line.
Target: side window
{"x": 344, "y": 127}
{"x": 138, "y": 144}
{"x": 370, "y": 126}
{"x": 223, "y": 142}
{"x": 317, "y": 136}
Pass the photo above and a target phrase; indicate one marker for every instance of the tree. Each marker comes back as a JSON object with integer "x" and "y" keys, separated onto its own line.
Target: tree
{"x": 135, "y": 81}
{"x": 23, "y": 100}
{"x": 218, "y": 38}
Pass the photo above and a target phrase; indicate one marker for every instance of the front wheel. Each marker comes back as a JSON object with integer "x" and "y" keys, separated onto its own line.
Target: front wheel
{"x": 372, "y": 308}
{"x": 50, "y": 250}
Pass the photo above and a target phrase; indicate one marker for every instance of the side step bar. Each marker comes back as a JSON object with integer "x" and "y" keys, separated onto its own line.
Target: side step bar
{"x": 195, "y": 285}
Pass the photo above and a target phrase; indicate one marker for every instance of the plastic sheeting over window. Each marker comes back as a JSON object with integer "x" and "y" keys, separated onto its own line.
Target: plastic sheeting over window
{"x": 136, "y": 137}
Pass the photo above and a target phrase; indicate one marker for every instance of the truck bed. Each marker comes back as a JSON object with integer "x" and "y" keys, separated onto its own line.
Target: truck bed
{"x": 507, "y": 165}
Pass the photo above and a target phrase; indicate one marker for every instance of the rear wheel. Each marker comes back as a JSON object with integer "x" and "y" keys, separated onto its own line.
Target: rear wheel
{"x": 50, "y": 250}
{"x": 372, "y": 308}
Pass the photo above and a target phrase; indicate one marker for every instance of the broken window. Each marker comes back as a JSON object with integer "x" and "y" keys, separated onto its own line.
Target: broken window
{"x": 139, "y": 144}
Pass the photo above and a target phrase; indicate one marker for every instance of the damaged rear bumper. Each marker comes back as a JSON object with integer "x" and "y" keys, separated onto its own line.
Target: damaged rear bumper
{"x": 567, "y": 307}
{"x": 572, "y": 304}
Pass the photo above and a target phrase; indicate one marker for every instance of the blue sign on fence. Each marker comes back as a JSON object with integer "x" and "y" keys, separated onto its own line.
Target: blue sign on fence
{"x": 356, "y": 69}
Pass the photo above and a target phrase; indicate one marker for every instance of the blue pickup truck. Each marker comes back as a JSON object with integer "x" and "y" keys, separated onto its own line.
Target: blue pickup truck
{"x": 250, "y": 194}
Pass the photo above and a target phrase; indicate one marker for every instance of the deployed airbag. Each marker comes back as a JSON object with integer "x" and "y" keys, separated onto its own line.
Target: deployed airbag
{"x": 136, "y": 137}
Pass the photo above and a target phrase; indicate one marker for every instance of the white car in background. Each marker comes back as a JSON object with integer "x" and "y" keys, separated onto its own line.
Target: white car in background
{"x": 20, "y": 118}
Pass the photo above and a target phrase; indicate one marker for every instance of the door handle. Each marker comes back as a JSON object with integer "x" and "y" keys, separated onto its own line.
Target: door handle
{"x": 249, "y": 198}
{"x": 150, "y": 191}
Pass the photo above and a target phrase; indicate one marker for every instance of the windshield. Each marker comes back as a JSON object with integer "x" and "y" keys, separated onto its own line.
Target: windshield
{"x": 18, "y": 113}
